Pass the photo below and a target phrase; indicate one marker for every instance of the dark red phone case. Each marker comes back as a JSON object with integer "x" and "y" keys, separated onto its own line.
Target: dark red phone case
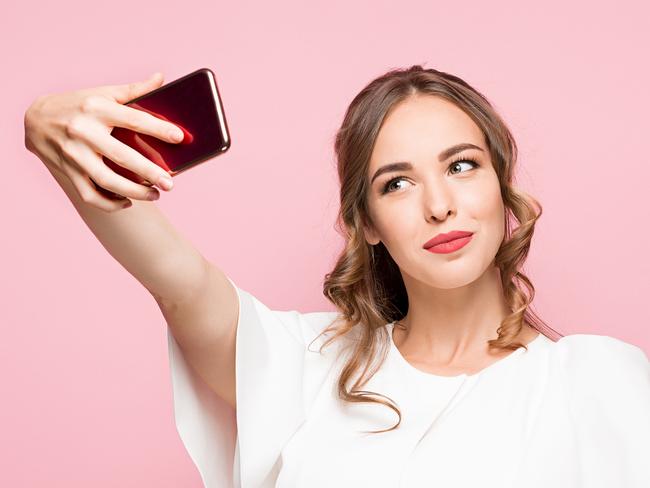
{"x": 194, "y": 105}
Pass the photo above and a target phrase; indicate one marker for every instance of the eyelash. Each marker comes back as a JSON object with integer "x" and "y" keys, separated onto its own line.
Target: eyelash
{"x": 468, "y": 159}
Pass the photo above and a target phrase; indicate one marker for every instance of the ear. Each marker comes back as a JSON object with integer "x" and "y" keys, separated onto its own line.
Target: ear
{"x": 371, "y": 235}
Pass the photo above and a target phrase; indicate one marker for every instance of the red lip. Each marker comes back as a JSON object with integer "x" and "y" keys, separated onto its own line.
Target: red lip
{"x": 450, "y": 236}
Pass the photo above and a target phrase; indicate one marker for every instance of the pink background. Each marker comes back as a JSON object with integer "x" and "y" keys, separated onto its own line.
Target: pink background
{"x": 86, "y": 389}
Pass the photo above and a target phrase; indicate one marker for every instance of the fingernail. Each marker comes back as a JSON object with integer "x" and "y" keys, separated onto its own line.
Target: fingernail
{"x": 153, "y": 195}
{"x": 166, "y": 182}
{"x": 176, "y": 135}
{"x": 127, "y": 204}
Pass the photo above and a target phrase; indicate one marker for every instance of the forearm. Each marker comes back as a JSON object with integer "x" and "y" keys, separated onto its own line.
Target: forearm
{"x": 145, "y": 243}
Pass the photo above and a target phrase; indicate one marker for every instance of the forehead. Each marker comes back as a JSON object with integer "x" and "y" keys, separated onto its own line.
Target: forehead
{"x": 420, "y": 128}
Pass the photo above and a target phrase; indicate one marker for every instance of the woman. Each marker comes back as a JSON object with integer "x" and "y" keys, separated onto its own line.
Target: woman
{"x": 434, "y": 371}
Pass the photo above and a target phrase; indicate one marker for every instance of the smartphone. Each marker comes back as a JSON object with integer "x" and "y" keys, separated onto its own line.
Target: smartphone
{"x": 194, "y": 105}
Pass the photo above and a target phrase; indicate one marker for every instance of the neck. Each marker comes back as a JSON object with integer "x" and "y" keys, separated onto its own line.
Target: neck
{"x": 450, "y": 324}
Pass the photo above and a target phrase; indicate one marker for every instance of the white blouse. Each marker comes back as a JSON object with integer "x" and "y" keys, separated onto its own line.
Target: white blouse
{"x": 571, "y": 413}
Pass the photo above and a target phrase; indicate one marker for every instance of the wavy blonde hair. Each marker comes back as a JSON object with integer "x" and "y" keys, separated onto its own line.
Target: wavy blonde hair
{"x": 366, "y": 285}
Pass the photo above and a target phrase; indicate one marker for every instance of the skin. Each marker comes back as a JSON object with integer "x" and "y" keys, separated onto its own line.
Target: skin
{"x": 456, "y": 300}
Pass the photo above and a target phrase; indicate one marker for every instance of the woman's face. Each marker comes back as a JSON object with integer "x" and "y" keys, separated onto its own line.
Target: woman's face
{"x": 436, "y": 195}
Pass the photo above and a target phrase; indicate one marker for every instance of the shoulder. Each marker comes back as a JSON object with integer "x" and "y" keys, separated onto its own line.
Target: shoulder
{"x": 600, "y": 355}
{"x": 313, "y": 323}
{"x": 609, "y": 371}
{"x": 596, "y": 407}
{"x": 301, "y": 327}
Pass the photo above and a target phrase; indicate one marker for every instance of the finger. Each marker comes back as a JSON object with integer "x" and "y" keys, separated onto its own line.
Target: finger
{"x": 91, "y": 163}
{"x": 126, "y": 92}
{"x": 116, "y": 115}
{"x": 89, "y": 193}
{"x": 124, "y": 155}
{"x": 151, "y": 153}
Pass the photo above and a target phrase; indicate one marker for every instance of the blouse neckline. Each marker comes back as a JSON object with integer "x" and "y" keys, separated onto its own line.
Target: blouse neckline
{"x": 500, "y": 362}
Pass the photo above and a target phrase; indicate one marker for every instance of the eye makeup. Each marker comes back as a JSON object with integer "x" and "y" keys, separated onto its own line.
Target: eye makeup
{"x": 385, "y": 188}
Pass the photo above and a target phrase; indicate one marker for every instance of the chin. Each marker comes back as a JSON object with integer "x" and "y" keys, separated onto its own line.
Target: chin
{"x": 451, "y": 279}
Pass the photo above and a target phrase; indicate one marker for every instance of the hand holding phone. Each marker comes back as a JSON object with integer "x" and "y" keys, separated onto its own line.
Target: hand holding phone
{"x": 193, "y": 104}
{"x": 72, "y": 134}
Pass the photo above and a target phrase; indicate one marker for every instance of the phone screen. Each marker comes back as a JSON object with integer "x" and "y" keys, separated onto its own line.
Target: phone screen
{"x": 193, "y": 104}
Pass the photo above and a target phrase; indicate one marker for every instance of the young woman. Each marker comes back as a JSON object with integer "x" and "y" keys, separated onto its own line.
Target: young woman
{"x": 433, "y": 371}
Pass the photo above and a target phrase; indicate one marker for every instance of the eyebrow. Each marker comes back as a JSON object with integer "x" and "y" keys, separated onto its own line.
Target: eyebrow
{"x": 443, "y": 156}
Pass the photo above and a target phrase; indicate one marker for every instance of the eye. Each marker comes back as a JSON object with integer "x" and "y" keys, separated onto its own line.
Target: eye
{"x": 458, "y": 163}
{"x": 387, "y": 186}
{"x": 473, "y": 164}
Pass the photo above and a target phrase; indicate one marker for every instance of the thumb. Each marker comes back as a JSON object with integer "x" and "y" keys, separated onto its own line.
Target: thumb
{"x": 127, "y": 92}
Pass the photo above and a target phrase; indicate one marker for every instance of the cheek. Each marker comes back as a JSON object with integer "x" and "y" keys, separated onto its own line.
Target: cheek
{"x": 484, "y": 200}
{"x": 485, "y": 206}
{"x": 397, "y": 223}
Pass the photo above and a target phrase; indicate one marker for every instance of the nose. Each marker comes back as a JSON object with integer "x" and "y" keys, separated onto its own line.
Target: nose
{"x": 437, "y": 202}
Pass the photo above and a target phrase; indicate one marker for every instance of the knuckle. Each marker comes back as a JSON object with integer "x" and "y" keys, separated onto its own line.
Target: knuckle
{"x": 90, "y": 104}
{"x": 67, "y": 148}
{"x": 85, "y": 195}
{"x": 100, "y": 178}
{"x": 37, "y": 104}
{"x": 132, "y": 119}
{"x": 132, "y": 89}
{"x": 120, "y": 154}
{"x": 74, "y": 127}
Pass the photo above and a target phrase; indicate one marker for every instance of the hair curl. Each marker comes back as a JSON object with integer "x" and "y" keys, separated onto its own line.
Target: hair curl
{"x": 366, "y": 285}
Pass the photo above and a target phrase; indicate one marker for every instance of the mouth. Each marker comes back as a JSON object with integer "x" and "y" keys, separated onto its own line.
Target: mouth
{"x": 448, "y": 237}
{"x": 450, "y": 246}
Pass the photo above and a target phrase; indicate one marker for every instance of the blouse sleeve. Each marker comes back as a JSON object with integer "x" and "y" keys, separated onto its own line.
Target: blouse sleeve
{"x": 609, "y": 388}
{"x": 241, "y": 447}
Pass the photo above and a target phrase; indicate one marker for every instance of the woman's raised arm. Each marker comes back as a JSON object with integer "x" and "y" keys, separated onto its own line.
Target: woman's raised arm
{"x": 69, "y": 133}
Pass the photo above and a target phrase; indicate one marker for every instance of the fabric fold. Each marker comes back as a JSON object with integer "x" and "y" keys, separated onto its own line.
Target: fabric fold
{"x": 242, "y": 447}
